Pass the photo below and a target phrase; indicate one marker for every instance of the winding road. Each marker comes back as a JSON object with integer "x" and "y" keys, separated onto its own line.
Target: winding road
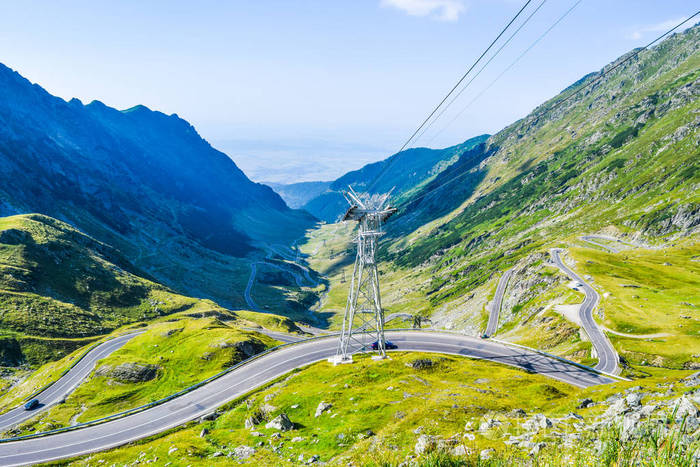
{"x": 607, "y": 356}
{"x": 492, "y": 326}
{"x": 205, "y": 399}
{"x": 66, "y": 384}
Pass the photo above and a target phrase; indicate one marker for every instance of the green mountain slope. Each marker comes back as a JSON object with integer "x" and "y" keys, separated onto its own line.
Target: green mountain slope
{"x": 404, "y": 172}
{"x": 621, "y": 157}
{"x": 60, "y": 288}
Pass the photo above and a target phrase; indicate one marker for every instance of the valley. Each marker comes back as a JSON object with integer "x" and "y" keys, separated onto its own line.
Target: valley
{"x": 542, "y": 286}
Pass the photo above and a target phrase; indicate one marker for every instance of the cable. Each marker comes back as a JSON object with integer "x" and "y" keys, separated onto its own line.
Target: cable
{"x": 451, "y": 91}
{"x": 576, "y": 91}
{"x": 444, "y": 109}
{"x": 542, "y": 36}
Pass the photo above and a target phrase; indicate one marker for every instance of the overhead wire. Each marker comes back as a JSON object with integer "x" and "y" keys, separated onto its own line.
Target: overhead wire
{"x": 512, "y": 64}
{"x": 595, "y": 80}
{"x": 476, "y": 75}
{"x": 447, "y": 96}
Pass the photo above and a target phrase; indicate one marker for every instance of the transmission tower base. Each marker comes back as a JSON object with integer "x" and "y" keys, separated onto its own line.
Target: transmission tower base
{"x": 339, "y": 360}
{"x": 380, "y": 357}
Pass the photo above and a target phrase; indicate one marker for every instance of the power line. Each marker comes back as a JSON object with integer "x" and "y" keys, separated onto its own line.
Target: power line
{"x": 513, "y": 63}
{"x": 444, "y": 109}
{"x": 452, "y": 90}
{"x": 576, "y": 91}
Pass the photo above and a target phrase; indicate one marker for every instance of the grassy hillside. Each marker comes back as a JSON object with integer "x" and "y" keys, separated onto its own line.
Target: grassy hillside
{"x": 169, "y": 356}
{"x": 451, "y": 411}
{"x": 60, "y": 290}
{"x": 621, "y": 158}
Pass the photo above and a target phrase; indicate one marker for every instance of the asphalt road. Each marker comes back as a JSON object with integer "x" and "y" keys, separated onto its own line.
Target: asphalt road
{"x": 65, "y": 385}
{"x": 492, "y": 326}
{"x": 607, "y": 356}
{"x": 206, "y": 399}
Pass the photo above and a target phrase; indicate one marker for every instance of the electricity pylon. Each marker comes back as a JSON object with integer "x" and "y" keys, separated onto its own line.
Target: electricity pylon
{"x": 363, "y": 323}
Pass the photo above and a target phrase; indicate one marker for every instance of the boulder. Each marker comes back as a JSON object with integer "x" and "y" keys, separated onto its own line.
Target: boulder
{"x": 243, "y": 452}
{"x": 322, "y": 407}
{"x": 281, "y": 423}
{"x": 585, "y": 403}
{"x": 536, "y": 423}
{"x": 489, "y": 424}
{"x": 486, "y": 454}
{"x": 421, "y": 364}
{"x": 617, "y": 408}
{"x": 129, "y": 372}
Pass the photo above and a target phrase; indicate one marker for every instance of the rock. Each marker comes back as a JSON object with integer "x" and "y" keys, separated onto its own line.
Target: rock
{"x": 692, "y": 380}
{"x": 536, "y": 423}
{"x": 295, "y": 406}
{"x": 425, "y": 444}
{"x": 489, "y": 424}
{"x": 486, "y": 454}
{"x": 297, "y": 439}
{"x": 617, "y": 408}
{"x": 537, "y": 448}
{"x": 517, "y": 413}
{"x": 366, "y": 434}
{"x": 281, "y": 423}
{"x": 267, "y": 409}
{"x": 633, "y": 399}
{"x": 685, "y": 408}
{"x": 585, "y": 403}
{"x": 418, "y": 430}
{"x": 322, "y": 407}
{"x": 245, "y": 349}
{"x": 129, "y": 372}
{"x": 421, "y": 364}
{"x": 629, "y": 424}
{"x": 217, "y": 454}
{"x": 243, "y": 452}
{"x": 313, "y": 459}
{"x": 256, "y": 433}
{"x": 203, "y": 433}
{"x": 172, "y": 450}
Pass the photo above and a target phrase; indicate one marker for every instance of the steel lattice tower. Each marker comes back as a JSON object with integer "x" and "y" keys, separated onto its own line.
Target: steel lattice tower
{"x": 363, "y": 322}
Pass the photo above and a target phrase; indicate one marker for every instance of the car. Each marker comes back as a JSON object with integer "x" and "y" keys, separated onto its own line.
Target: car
{"x": 484, "y": 336}
{"x": 387, "y": 345}
{"x": 32, "y": 404}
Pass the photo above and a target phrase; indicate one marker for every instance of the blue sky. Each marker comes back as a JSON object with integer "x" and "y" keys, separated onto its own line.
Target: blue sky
{"x": 304, "y": 89}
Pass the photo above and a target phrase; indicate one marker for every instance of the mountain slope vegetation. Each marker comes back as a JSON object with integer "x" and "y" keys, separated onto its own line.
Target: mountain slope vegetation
{"x": 615, "y": 154}
{"x": 139, "y": 180}
{"x": 404, "y": 173}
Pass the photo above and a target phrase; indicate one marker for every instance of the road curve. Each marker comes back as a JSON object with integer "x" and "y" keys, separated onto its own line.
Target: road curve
{"x": 607, "y": 356}
{"x": 207, "y": 398}
{"x": 65, "y": 385}
{"x": 492, "y": 326}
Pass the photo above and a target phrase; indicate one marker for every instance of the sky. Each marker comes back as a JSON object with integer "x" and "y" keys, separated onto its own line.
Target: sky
{"x": 300, "y": 90}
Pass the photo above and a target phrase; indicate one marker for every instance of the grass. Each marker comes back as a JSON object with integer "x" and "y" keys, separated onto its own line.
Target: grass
{"x": 378, "y": 409}
{"x": 649, "y": 291}
{"x": 186, "y": 351}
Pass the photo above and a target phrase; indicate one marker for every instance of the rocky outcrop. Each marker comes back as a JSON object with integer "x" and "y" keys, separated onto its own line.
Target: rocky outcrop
{"x": 129, "y": 372}
{"x": 280, "y": 423}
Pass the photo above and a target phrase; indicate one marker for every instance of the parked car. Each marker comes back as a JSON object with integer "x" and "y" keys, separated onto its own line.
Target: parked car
{"x": 387, "y": 345}
{"x": 484, "y": 336}
{"x": 32, "y": 404}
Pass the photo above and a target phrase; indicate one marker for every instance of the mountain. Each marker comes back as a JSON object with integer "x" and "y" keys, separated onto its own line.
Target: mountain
{"x": 139, "y": 180}
{"x": 617, "y": 155}
{"x": 405, "y": 172}
{"x": 297, "y": 195}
